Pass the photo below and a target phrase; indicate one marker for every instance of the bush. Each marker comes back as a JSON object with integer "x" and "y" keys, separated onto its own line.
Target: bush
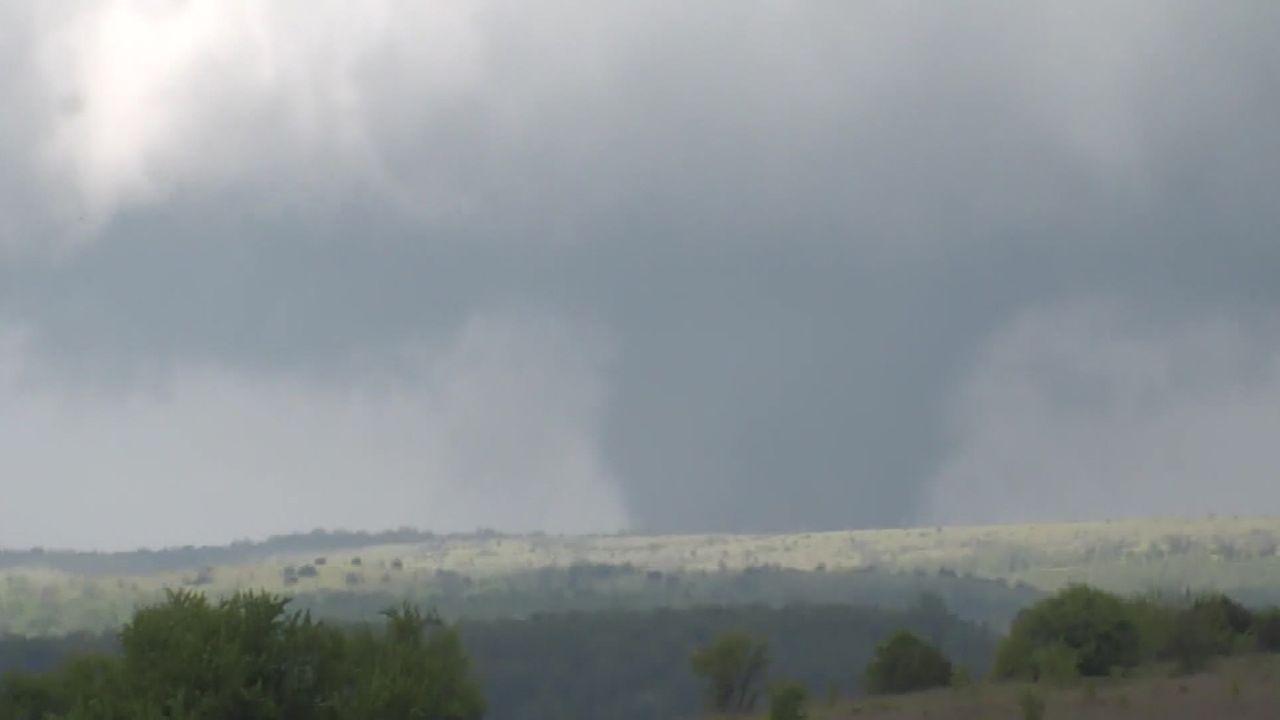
{"x": 1154, "y": 618}
{"x": 731, "y": 666}
{"x": 904, "y": 663}
{"x": 960, "y": 677}
{"x": 1212, "y": 625}
{"x": 788, "y": 701}
{"x": 1032, "y": 706}
{"x": 1096, "y": 626}
{"x": 1056, "y": 663}
{"x": 247, "y": 657}
{"x": 1266, "y": 629}
{"x": 1227, "y": 614}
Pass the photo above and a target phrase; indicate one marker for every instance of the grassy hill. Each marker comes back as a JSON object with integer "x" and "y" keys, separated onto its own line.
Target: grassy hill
{"x": 495, "y": 575}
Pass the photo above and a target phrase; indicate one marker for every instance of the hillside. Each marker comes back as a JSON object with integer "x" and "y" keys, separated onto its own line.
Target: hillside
{"x": 986, "y": 573}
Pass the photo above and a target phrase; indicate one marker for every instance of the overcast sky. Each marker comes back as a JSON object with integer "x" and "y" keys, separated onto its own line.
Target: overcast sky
{"x": 664, "y": 266}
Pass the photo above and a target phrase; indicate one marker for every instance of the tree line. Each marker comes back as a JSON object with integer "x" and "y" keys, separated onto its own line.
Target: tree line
{"x": 1080, "y": 632}
{"x": 621, "y": 664}
{"x": 251, "y": 656}
{"x": 40, "y": 609}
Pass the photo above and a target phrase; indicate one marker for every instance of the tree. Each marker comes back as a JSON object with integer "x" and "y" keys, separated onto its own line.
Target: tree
{"x": 1213, "y": 625}
{"x": 905, "y": 663}
{"x": 1266, "y": 627}
{"x": 732, "y": 666}
{"x": 247, "y": 657}
{"x": 1097, "y": 627}
{"x": 241, "y": 657}
{"x": 416, "y": 670}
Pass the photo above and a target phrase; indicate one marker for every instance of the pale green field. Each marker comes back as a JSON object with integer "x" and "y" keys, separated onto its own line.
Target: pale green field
{"x": 1126, "y": 555}
{"x": 1227, "y": 553}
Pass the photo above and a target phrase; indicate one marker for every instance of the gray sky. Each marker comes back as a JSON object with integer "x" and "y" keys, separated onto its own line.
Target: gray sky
{"x": 661, "y": 266}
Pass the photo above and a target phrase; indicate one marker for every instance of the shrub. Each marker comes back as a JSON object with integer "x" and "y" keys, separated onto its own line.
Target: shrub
{"x": 1229, "y": 615}
{"x": 788, "y": 701}
{"x": 1057, "y": 663}
{"x": 1194, "y": 642}
{"x": 1213, "y": 625}
{"x": 1266, "y": 629}
{"x": 731, "y": 666}
{"x": 904, "y": 663}
{"x": 247, "y": 657}
{"x": 1031, "y": 705}
{"x": 1154, "y": 619}
{"x": 1096, "y": 626}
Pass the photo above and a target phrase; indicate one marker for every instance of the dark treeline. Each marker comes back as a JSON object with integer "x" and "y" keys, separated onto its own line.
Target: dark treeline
{"x": 635, "y": 665}
{"x": 188, "y": 557}
{"x": 45, "y": 654}
{"x": 27, "y": 608}
{"x": 1066, "y": 640}
{"x": 249, "y": 657}
{"x": 594, "y": 587}
{"x": 630, "y": 664}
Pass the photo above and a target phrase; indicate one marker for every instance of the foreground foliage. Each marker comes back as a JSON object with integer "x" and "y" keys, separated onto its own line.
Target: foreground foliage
{"x": 1093, "y": 631}
{"x": 247, "y": 657}
{"x": 1243, "y": 687}
{"x": 732, "y": 666}
{"x": 1085, "y": 632}
{"x": 905, "y": 663}
{"x": 788, "y": 701}
{"x": 634, "y": 665}
{"x": 252, "y": 657}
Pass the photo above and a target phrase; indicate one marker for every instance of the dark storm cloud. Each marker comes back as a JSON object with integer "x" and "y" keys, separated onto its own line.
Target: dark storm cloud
{"x": 779, "y": 252}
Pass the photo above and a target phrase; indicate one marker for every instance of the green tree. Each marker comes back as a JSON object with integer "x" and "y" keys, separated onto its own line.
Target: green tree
{"x": 1213, "y": 625}
{"x": 246, "y": 657}
{"x": 904, "y": 663}
{"x": 242, "y": 657}
{"x": 416, "y": 670}
{"x": 1096, "y": 626}
{"x": 732, "y": 667}
{"x": 93, "y": 688}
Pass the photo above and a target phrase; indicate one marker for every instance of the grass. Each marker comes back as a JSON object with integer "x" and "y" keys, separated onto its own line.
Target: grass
{"x": 1237, "y": 555}
{"x": 1242, "y": 688}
